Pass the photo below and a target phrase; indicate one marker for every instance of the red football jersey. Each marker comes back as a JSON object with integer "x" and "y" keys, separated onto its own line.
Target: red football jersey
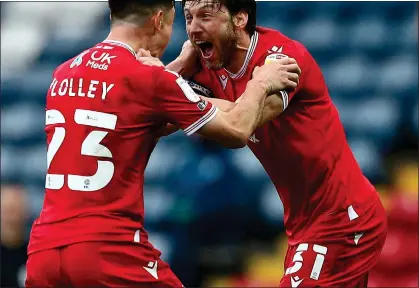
{"x": 103, "y": 111}
{"x": 304, "y": 150}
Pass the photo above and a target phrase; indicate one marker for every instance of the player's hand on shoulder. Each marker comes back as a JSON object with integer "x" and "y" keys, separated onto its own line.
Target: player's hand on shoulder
{"x": 188, "y": 51}
{"x": 145, "y": 58}
{"x": 278, "y": 75}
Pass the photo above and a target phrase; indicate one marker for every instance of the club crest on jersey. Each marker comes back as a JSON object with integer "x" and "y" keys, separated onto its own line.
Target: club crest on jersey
{"x": 78, "y": 60}
{"x": 202, "y": 104}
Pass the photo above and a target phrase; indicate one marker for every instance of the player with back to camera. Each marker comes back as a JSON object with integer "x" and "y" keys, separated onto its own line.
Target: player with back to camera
{"x": 103, "y": 113}
{"x": 335, "y": 222}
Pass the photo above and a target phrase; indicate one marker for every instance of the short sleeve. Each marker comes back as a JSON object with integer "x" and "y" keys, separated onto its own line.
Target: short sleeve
{"x": 178, "y": 101}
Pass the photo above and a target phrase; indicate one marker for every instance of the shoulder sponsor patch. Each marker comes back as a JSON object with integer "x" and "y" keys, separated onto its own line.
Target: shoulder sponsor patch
{"x": 187, "y": 90}
{"x": 274, "y": 57}
{"x": 200, "y": 89}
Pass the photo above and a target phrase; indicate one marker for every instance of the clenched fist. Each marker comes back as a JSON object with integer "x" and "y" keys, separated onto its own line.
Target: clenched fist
{"x": 282, "y": 74}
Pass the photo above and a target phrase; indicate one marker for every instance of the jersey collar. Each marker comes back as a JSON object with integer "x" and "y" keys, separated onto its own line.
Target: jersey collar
{"x": 123, "y": 45}
{"x": 249, "y": 55}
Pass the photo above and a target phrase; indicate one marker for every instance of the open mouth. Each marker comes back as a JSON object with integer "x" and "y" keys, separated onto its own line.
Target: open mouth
{"x": 206, "y": 48}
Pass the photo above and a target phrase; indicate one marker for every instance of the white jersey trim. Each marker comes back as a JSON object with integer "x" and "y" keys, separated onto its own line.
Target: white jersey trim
{"x": 121, "y": 44}
{"x": 285, "y": 99}
{"x": 201, "y": 121}
{"x": 249, "y": 55}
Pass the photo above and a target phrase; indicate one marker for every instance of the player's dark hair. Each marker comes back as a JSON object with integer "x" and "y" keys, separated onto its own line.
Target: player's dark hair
{"x": 136, "y": 11}
{"x": 234, "y": 7}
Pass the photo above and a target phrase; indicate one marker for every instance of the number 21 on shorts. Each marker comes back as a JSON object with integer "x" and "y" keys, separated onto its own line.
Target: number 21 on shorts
{"x": 91, "y": 147}
{"x": 297, "y": 260}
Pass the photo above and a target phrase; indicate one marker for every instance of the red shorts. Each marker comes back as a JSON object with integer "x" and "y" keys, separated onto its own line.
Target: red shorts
{"x": 343, "y": 263}
{"x": 99, "y": 264}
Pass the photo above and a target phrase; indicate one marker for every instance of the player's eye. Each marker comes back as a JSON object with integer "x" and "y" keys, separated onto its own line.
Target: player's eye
{"x": 206, "y": 16}
{"x": 188, "y": 18}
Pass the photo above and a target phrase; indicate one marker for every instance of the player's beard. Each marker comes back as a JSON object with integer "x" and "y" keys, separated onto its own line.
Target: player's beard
{"x": 226, "y": 47}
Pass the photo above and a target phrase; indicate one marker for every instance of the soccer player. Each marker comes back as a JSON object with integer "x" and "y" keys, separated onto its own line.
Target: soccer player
{"x": 103, "y": 112}
{"x": 334, "y": 219}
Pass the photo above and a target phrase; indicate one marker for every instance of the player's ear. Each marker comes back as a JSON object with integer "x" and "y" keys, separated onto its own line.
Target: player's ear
{"x": 240, "y": 20}
{"x": 158, "y": 20}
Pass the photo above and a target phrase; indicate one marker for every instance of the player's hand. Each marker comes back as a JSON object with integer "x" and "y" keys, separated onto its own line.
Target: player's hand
{"x": 188, "y": 51}
{"x": 282, "y": 74}
{"x": 189, "y": 59}
{"x": 144, "y": 56}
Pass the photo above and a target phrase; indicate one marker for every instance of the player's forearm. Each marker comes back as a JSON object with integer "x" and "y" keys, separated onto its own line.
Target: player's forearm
{"x": 184, "y": 67}
{"x": 245, "y": 115}
{"x": 176, "y": 65}
{"x": 272, "y": 108}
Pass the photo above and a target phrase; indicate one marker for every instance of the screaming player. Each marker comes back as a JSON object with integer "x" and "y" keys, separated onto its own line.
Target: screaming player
{"x": 334, "y": 219}
{"x": 101, "y": 125}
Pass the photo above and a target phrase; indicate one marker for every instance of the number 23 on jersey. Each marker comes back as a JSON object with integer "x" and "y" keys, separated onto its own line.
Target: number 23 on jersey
{"x": 90, "y": 147}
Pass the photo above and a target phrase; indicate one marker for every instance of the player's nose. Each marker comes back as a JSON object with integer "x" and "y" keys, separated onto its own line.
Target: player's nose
{"x": 194, "y": 28}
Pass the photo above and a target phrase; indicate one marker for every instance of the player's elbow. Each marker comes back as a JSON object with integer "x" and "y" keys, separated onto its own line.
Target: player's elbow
{"x": 237, "y": 139}
{"x": 237, "y": 144}
{"x": 231, "y": 139}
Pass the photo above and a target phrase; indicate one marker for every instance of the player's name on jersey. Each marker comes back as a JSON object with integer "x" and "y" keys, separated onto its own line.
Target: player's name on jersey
{"x": 80, "y": 87}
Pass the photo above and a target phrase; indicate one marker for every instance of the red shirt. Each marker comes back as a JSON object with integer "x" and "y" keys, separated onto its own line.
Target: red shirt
{"x": 304, "y": 150}
{"x": 103, "y": 111}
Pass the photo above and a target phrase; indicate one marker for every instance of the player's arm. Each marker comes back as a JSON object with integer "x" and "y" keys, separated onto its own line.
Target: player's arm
{"x": 187, "y": 63}
{"x": 272, "y": 107}
{"x": 232, "y": 129}
{"x": 275, "y": 104}
{"x": 245, "y": 116}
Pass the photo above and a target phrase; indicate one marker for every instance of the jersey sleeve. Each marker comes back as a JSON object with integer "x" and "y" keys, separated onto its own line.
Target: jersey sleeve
{"x": 179, "y": 102}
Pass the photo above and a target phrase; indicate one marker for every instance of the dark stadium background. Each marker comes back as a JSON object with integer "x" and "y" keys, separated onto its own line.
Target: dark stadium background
{"x": 214, "y": 212}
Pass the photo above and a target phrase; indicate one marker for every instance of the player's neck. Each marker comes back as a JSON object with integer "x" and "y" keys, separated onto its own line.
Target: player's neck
{"x": 239, "y": 55}
{"x": 133, "y": 37}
